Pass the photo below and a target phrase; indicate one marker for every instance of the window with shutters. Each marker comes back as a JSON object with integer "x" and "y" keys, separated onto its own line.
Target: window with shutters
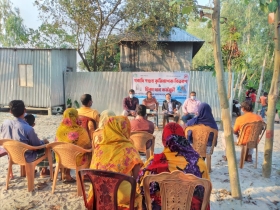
{"x": 25, "y": 75}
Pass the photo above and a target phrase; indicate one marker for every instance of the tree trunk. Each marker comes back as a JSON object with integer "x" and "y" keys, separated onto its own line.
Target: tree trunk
{"x": 83, "y": 59}
{"x": 272, "y": 99}
{"x": 230, "y": 149}
{"x": 241, "y": 85}
{"x": 236, "y": 85}
{"x": 261, "y": 81}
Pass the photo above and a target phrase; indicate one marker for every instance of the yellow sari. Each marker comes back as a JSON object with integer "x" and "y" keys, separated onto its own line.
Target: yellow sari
{"x": 69, "y": 131}
{"x": 116, "y": 153}
{"x": 97, "y": 135}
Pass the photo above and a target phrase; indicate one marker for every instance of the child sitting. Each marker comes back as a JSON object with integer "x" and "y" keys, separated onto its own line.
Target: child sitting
{"x": 30, "y": 119}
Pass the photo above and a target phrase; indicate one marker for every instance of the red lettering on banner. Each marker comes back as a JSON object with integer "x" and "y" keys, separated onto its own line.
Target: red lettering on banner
{"x": 140, "y": 80}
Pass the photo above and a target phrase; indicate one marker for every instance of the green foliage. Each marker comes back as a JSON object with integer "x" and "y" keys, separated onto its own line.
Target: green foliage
{"x": 77, "y": 105}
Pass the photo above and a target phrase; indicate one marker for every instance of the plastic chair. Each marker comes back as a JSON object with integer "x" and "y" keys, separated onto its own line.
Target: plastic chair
{"x": 84, "y": 121}
{"x": 67, "y": 154}
{"x": 200, "y": 135}
{"x": 255, "y": 130}
{"x": 139, "y": 139}
{"x": 105, "y": 184}
{"x": 16, "y": 151}
{"x": 176, "y": 190}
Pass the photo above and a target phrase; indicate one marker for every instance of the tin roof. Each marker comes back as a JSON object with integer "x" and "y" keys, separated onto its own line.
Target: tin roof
{"x": 175, "y": 35}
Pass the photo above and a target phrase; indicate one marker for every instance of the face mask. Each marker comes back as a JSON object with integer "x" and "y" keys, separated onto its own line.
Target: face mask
{"x": 131, "y": 95}
{"x": 192, "y": 97}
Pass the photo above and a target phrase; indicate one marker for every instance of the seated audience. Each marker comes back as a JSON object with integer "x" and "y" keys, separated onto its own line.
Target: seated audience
{"x": 97, "y": 136}
{"x": 170, "y": 107}
{"x": 20, "y": 130}
{"x": 89, "y": 118}
{"x": 116, "y": 153}
{"x": 178, "y": 154}
{"x": 129, "y": 104}
{"x": 140, "y": 123}
{"x": 247, "y": 117}
{"x": 204, "y": 117}
{"x": 190, "y": 107}
{"x": 69, "y": 131}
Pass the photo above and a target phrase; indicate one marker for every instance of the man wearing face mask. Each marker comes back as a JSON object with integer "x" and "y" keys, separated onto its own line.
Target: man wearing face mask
{"x": 130, "y": 104}
{"x": 190, "y": 107}
{"x": 170, "y": 108}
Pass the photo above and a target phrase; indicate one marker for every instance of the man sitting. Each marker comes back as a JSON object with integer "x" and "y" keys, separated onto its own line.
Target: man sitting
{"x": 247, "y": 117}
{"x": 130, "y": 104}
{"x": 20, "y": 130}
{"x": 89, "y": 118}
{"x": 140, "y": 123}
{"x": 170, "y": 107}
{"x": 190, "y": 107}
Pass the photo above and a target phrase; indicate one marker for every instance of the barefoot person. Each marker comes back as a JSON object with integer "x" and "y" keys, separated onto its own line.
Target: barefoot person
{"x": 20, "y": 130}
{"x": 69, "y": 131}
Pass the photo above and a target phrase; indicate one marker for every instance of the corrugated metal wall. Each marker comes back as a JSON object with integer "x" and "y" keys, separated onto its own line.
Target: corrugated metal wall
{"x": 40, "y": 94}
{"x": 60, "y": 60}
{"x": 36, "y": 96}
{"x": 109, "y": 88}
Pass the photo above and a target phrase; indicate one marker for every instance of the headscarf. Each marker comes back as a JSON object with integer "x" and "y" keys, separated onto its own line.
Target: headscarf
{"x": 69, "y": 131}
{"x": 104, "y": 116}
{"x": 204, "y": 117}
{"x": 115, "y": 152}
{"x": 169, "y": 129}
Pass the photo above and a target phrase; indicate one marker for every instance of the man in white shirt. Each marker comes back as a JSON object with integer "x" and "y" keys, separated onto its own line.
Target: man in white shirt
{"x": 190, "y": 107}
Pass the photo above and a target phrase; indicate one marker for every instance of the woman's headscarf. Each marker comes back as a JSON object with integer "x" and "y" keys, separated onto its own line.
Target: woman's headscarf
{"x": 169, "y": 129}
{"x": 70, "y": 131}
{"x": 115, "y": 152}
{"x": 204, "y": 117}
{"x": 104, "y": 116}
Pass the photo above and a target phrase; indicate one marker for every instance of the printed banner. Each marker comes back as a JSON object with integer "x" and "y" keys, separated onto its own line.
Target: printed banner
{"x": 160, "y": 83}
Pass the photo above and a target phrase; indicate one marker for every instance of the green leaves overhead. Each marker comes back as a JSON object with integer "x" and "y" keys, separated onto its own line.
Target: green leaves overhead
{"x": 187, "y": 10}
{"x": 272, "y": 6}
{"x": 267, "y": 5}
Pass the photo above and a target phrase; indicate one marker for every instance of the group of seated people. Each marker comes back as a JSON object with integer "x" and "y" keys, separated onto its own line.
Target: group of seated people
{"x": 109, "y": 136}
{"x": 170, "y": 107}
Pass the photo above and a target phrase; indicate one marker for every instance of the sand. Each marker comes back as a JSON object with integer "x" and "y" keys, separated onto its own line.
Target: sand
{"x": 258, "y": 192}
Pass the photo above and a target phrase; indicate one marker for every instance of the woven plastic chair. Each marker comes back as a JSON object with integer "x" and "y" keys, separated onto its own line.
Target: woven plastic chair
{"x": 176, "y": 190}
{"x": 105, "y": 187}
{"x": 16, "y": 151}
{"x": 255, "y": 130}
{"x": 67, "y": 155}
{"x": 139, "y": 139}
{"x": 200, "y": 135}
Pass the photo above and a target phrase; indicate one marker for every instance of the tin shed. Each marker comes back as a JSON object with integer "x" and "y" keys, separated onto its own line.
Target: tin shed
{"x": 35, "y": 76}
{"x": 179, "y": 48}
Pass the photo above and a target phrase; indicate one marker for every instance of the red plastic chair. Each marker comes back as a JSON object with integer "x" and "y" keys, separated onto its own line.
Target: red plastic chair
{"x": 105, "y": 186}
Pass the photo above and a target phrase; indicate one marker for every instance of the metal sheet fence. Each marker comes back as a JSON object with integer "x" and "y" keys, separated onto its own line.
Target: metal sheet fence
{"x": 109, "y": 88}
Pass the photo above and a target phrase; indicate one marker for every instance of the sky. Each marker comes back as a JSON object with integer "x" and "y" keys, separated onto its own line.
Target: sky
{"x": 29, "y": 12}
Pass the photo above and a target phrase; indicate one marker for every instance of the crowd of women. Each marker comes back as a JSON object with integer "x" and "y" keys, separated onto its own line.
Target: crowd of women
{"x": 114, "y": 151}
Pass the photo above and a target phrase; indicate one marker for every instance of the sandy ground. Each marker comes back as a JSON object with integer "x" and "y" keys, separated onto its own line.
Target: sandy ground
{"x": 258, "y": 192}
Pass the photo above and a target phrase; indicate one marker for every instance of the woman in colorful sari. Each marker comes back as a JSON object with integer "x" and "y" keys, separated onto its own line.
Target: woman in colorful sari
{"x": 205, "y": 117}
{"x": 116, "y": 153}
{"x": 97, "y": 135}
{"x": 71, "y": 132}
{"x": 178, "y": 154}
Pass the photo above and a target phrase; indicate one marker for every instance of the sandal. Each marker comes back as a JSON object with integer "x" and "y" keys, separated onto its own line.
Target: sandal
{"x": 72, "y": 180}
{"x": 45, "y": 173}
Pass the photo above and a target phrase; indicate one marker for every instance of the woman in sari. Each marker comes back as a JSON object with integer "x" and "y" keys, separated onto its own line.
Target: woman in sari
{"x": 205, "y": 117}
{"x": 116, "y": 153}
{"x": 97, "y": 135}
{"x": 178, "y": 154}
{"x": 71, "y": 132}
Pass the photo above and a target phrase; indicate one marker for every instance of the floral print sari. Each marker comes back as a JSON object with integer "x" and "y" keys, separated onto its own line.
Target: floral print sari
{"x": 71, "y": 132}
